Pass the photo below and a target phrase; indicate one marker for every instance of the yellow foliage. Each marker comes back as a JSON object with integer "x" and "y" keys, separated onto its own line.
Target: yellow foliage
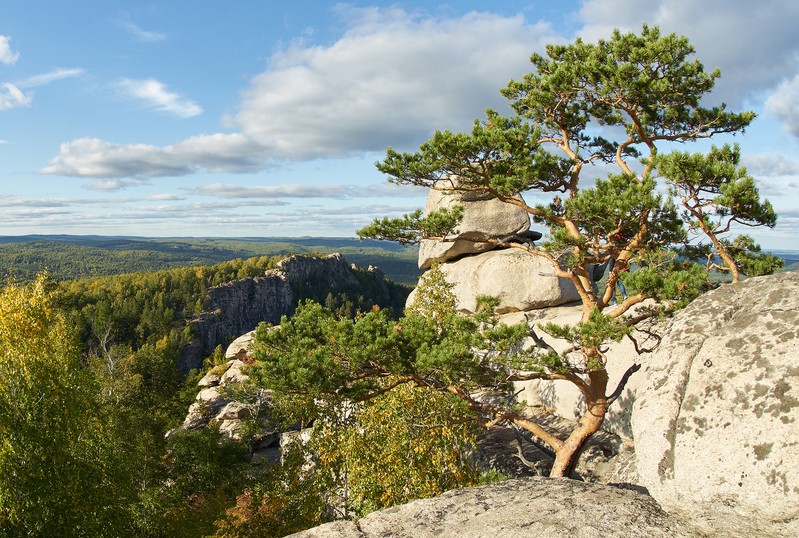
{"x": 399, "y": 447}
{"x": 434, "y": 296}
{"x": 31, "y": 331}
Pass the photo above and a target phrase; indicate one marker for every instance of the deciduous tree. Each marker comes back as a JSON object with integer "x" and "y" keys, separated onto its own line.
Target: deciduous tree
{"x": 58, "y": 474}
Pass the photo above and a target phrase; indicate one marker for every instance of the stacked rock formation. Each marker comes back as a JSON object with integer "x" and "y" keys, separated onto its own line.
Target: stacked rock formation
{"x": 474, "y": 260}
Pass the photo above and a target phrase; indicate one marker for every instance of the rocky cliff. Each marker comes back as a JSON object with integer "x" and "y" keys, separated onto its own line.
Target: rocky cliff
{"x": 237, "y": 307}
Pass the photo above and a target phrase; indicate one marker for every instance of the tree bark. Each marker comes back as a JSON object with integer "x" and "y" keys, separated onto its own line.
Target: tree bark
{"x": 568, "y": 454}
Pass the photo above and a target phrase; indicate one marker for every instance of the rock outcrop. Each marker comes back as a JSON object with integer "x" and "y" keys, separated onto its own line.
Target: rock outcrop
{"x": 474, "y": 260}
{"x": 717, "y": 425}
{"x": 239, "y": 306}
{"x": 220, "y": 403}
{"x": 484, "y": 217}
{"x": 541, "y": 507}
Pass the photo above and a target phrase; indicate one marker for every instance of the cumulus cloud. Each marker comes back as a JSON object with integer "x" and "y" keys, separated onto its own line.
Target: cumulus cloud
{"x": 155, "y": 95}
{"x": 94, "y": 158}
{"x": 784, "y": 104}
{"x": 12, "y": 97}
{"x": 49, "y": 77}
{"x": 750, "y": 42}
{"x": 392, "y": 79}
{"x": 91, "y": 157}
{"x": 7, "y": 56}
{"x": 219, "y": 153}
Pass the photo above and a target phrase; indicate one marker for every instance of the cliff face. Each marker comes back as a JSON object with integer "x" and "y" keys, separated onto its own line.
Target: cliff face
{"x": 237, "y": 307}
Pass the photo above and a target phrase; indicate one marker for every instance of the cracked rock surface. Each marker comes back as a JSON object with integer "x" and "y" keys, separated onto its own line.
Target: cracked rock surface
{"x": 540, "y": 507}
{"x": 717, "y": 428}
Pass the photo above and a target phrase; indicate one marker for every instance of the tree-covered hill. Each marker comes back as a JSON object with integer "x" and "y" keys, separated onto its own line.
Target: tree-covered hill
{"x": 70, "y": 257}
{"x": 91, "y": 384}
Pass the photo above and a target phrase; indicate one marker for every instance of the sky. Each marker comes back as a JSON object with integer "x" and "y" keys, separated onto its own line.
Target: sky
{"x": 255, "y": 119}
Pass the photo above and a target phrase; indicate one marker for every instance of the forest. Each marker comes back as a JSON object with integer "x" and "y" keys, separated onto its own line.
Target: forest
{"x": 90, "y": 388}
{"x": 68, "y": 257}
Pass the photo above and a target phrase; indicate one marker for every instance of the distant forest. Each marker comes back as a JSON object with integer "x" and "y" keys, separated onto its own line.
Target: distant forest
{"x": 67, "y": 257}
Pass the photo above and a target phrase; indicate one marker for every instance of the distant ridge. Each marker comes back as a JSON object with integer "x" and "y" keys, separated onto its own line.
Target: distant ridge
{"x": 68, "y": 257}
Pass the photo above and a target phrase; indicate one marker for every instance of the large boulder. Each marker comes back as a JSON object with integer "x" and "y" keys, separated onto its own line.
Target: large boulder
{"x": 484, "y": 217}
{"x": 717, "y": 428}
{"x": 541, "y": 507}
{"x": 522, "y": 281}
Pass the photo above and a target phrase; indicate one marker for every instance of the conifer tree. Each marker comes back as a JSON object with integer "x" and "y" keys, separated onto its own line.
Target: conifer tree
{"x": 642, "y": 92}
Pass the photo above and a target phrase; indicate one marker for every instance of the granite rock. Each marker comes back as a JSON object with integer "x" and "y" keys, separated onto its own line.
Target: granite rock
{"x": 522, "y": 281}
{"x": 484, "y": 217}
{"x": 717, "y": 429}
{"x": 540, "y": 507}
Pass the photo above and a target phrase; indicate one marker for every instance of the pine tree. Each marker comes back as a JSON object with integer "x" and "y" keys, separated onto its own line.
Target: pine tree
{"x": 646, "y": 90}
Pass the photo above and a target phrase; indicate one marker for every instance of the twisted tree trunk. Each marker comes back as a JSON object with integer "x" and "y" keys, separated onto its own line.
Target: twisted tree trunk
{"x": 568, "y": 454}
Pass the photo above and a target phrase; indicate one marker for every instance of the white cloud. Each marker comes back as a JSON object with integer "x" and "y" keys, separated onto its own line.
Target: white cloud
{"x": 51, "y": 76}
{"x": 222, "y": 190}
{"x": 155, "y": 95}
{"x": 784, "y": 104}
{"x": 91, "y": 157}
{"x": 754, "y": 44}
{"x": 219, "y": 153}
{"x": 7, "y": 56}
{"x": 166, "y": 198}
{"x": 137, "y": 32}
{"x": 391, "y": 79}
{"x": 771, "y": 165}
{"x": 109, "y": 185}
{"x": 94, "y": 158}
{"x": 16, "y": 201}
{"x": 13, "y": 97}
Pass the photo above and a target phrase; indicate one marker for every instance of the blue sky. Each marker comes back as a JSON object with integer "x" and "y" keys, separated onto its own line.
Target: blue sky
{"x": 252, "y": 118}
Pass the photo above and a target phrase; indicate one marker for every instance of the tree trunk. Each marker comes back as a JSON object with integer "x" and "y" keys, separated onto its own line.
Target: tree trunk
{"x": 567, "y": 456}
